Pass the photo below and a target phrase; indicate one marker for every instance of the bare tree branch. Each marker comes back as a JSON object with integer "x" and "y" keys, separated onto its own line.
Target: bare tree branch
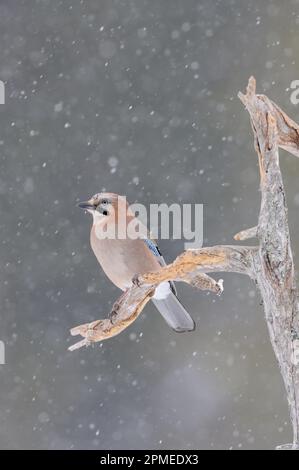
{"x": 274, "y": 268}
{"x": 270, "y": 264}
{"x": 189, "y": 267}
{"x": 287, "y": 129}
{"x": 246, "y": 234}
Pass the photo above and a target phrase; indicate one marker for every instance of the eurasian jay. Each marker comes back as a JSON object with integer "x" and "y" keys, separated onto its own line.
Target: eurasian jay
{"x": 121, "y": 258}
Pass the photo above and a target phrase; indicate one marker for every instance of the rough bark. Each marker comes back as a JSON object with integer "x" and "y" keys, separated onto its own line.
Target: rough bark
{"x": 269, "y": 264}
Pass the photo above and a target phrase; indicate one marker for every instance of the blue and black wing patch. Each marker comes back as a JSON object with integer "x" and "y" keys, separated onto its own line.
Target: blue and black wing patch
{"x": 154, "y": 248}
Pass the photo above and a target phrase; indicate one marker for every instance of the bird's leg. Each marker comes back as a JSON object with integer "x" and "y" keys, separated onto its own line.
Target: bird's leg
{"x": 116, "y": 306}
{"x": 136, "y": 280}
{"x": 112, "y": 315}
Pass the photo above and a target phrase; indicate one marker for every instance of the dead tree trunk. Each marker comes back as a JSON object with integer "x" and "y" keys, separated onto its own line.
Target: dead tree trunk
{"x": 269, "y": 264}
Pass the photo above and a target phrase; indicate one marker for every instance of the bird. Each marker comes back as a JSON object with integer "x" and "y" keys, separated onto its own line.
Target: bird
{"x": 123, "y": 257}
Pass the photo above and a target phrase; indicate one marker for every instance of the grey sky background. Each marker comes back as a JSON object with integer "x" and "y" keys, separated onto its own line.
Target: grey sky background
{"x": 137, "y": 97}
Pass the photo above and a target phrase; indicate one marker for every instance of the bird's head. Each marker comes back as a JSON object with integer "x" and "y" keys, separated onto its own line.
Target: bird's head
{"x": 104, "y": 206}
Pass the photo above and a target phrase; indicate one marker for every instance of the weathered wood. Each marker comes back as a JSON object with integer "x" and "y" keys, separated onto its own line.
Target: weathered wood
{"x": 273, "y": 263}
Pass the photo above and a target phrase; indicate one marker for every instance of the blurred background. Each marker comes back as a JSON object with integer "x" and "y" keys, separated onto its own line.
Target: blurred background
{"x": 136, "y": 97}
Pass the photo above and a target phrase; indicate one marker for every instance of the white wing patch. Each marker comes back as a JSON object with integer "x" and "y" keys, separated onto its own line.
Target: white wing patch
{"x": 162, "y": 291}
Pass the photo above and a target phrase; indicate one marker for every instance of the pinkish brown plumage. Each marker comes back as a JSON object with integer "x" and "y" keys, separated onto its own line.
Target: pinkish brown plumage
{"x": 122, "y": 257}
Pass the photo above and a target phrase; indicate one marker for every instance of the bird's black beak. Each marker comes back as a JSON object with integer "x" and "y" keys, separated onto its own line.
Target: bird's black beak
{"x": 86, "y": 205}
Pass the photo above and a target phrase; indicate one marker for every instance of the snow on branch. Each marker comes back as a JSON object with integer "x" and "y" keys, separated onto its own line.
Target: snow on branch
{"x": 269, "y": 264}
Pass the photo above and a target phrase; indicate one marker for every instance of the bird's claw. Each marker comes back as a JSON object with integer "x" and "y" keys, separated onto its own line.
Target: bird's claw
{"x": 112, "y": 316}
{"x": 136, "y": 280}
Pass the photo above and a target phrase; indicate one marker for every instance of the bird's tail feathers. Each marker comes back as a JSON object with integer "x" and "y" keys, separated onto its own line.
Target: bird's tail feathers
{"x": 175, "y": 315}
